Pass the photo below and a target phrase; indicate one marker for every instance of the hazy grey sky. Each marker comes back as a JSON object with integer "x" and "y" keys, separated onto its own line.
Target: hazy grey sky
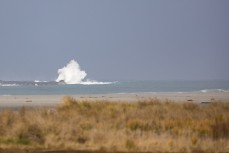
{"x": 115, "y": 40}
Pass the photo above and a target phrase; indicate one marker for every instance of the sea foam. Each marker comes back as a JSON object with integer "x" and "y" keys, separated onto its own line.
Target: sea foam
{"x": 212, "y": 90}
{"x": 93, "y": 82}
{"x": 8, "y": 85}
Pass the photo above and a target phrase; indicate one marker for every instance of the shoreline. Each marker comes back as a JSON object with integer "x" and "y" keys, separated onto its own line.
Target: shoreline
{"x": 52, "y": 100}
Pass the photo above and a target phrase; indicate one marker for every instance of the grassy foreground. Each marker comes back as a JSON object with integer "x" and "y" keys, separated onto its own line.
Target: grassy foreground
{"x": 149, "y": 125}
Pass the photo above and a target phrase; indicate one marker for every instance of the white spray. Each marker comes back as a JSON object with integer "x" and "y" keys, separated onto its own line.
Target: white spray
{"x": 72, "y": 74}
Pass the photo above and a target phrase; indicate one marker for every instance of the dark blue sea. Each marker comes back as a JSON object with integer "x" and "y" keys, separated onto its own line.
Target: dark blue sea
{"x": 54, "y": 88}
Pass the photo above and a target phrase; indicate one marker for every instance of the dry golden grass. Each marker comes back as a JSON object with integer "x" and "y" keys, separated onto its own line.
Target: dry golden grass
{"x": 149, "y": 125}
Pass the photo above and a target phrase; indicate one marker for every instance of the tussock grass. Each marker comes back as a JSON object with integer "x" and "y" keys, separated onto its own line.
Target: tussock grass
{"x": 149, "y": 125}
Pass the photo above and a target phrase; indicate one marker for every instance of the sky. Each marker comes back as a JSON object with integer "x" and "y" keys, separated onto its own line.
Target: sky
{"x": 115, "y": 40}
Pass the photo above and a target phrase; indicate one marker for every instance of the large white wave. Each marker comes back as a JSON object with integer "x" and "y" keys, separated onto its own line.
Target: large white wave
{"x": 72, "y": 74}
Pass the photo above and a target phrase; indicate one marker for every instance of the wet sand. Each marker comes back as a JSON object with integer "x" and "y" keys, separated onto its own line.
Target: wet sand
{"x": 53, "y": 100}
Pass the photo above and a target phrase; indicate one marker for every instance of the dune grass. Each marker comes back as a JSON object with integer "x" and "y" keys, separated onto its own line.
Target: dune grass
{"x": 149, "y": 125}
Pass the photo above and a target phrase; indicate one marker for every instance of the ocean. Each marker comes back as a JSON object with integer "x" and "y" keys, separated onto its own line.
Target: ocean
{"x": 54, "y": 88}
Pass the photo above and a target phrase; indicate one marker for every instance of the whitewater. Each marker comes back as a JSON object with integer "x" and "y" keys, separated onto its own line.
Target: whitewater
{"x": 57, "y": 88}
{"x": 72, "y": 74}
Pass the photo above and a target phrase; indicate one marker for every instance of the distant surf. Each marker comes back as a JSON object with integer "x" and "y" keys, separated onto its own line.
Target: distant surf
{"x": 213, "y": 90}
{"x": 72, "y": 80}
{"x": 110, "y": 87}
{"x": 72, "y": 74}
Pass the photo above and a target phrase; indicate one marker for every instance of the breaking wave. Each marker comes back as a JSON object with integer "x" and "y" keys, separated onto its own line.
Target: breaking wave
{"x": 8, "y": 85}
{"x": 72, "y": 74}
{"x": 92, "y": 82}
{"x": 213, "y": 90}
{"x": 38, "y": 81}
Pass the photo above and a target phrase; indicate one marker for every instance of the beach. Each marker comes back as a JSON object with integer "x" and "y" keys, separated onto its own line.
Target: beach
{"x": 140, "y": 122}
{"x": 53, "y": 100}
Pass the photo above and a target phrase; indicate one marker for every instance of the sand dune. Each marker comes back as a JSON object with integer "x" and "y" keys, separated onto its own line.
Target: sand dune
{"x": 53, "y": 100}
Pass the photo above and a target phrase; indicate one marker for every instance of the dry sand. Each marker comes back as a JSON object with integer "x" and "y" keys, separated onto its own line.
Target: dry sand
{"x": 53, "y": 100}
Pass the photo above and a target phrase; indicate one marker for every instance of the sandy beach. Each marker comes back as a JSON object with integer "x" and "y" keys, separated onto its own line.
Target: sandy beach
{"x": 53, "y": 100}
